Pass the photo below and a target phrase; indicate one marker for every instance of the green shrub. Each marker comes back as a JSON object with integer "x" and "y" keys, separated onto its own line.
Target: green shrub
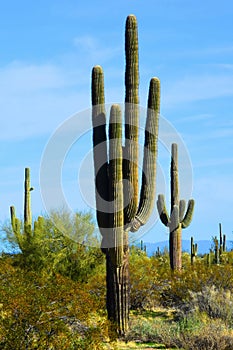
{"x": 143, "y": 277}
{"x": 46, "y": 312}
{"x": 71, "y": 252}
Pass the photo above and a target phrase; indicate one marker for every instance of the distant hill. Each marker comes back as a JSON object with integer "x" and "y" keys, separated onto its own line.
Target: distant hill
{"x": 204, "y": 246}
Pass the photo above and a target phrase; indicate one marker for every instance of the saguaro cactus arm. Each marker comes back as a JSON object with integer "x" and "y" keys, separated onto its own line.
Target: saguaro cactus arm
{"x": 164, "y": 217}
{"x": 100, "y": 146}
{"x": 182, "y": 207}
{"x": 16, "y": 226}
{"x": 189, "y": 214}
{"x": 147, "y": 194}
{"x": 131, "y": 119}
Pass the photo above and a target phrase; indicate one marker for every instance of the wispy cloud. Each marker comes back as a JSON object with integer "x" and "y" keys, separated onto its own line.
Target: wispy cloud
{"x": 207, "y": 163}
{"x": 92, "y": 48}
{"x": 36, "y": 98}
{"x": 22, "y": 77}
{"x": 86, "y": 42}
{"x": 194, "y": 118}
{"x": 204, "y": 52}
{"x": 198, "y": 87}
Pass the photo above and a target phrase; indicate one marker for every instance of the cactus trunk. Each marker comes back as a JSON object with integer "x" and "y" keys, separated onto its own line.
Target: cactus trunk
{"x": 117, "y": 280}
{"x": 175, "y": 248}
{"x": 119, "y": 207}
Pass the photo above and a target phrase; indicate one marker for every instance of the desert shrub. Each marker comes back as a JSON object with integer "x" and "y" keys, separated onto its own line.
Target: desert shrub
{"x": 96, "y": 286}
{"x": 71, "y": 251}
{"x": 216, "y": 303}
{"x": 143, "y": 278}
{"x": 211, "y": 336}
{"x": 47, "y": 312}
{"x": 178, "y": 289}
{"x": 193, "y": 332}
{"x": 144, "y": 330}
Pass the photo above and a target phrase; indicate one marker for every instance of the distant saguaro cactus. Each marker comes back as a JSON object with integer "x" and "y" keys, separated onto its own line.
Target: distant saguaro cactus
{"x": 15, "y": 222}
{"x": 120, "y": 209}
{"x": 193, "y": 251}
{"x": 222, "y": 240}
{"x": 178, "y": 219}
{"x": 23, "y": 233}
{"x": 219, "y": 246}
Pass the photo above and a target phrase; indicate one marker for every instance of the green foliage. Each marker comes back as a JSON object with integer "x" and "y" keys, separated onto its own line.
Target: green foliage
{"x": 54, "y": 251}
{"x": 199, "y": 300}
{"x": 47, "y": 312}
{"x": 214, "y": 302}
{"x": 143, "y": 279}
{"x": 184, "y": 309}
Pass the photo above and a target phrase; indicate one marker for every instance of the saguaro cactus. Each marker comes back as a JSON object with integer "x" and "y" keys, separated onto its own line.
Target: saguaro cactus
{"x": 219, "y": 246}
{"x": 193, "y": 251}
{"x": 178, "y": 218}
{"x": 24, "y": 232}
{"x": 116, "y": 174}
{"x": 222, "y": 240}
{"x": 15, "y": 222}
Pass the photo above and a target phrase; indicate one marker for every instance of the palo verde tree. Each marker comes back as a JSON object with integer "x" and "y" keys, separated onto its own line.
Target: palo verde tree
{"x": 178, "y": 219}
{"x": 45, "y": 246}
{"x": 120, "y": 209}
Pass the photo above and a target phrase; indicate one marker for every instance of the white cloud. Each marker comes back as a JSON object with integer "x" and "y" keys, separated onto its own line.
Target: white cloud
{"x": 194, "y": 118}
{"x": 20, "y": 77}
{"x": 92, "y": 49}
{"x": 85, "y": 42}
{"x": 204, "y": 52}
{"x": 198, "y": 87}
{"x": 36, "y": 98}
{"x": 214, "y": 162}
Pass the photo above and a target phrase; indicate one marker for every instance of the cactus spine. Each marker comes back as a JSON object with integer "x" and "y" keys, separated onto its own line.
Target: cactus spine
{"x": 120, "y": 209}
{"x": 178, "y": 218}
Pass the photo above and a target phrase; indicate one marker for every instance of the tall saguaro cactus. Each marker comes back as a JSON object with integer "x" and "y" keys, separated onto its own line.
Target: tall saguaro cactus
{"x": 120, "y": 208}
{"x": 178, "y": 219}
{"x": 27, "y": 225}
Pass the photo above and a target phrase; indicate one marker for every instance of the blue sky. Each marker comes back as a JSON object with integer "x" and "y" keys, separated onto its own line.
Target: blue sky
{"x": 48, "y": 49}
